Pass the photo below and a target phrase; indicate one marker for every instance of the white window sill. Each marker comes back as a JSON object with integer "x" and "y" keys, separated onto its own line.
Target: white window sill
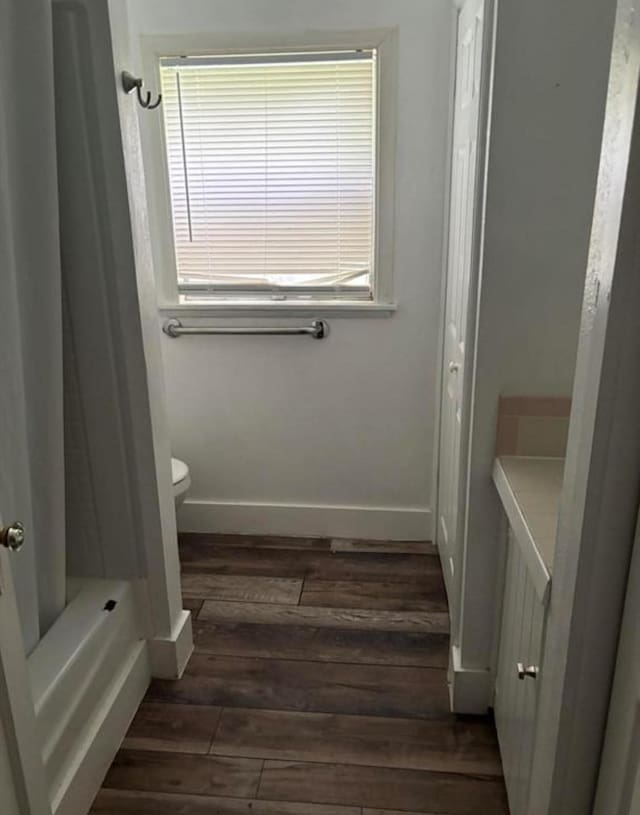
{"x": 317, "y": 308}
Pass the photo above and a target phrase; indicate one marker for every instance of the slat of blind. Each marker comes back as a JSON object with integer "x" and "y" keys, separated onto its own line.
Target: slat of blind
{"x": 271, "y": 170}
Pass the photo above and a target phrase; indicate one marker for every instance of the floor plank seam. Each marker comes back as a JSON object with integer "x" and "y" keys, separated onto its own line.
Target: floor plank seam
{"x": 215, "y": 730}
{"x": 346, "y": 663}
{"x": 313, "y": 662}
{"x": 204, "y": 795}
{"x": 260, "y": 779}
{"x": 322, "y": 661}
{"x": 221, "y": 611}
{"x": 452, "y": 717}
{"x": 208, "y": 599}
{"x": 436, "y": 716}
{"x": 490, "y": 777}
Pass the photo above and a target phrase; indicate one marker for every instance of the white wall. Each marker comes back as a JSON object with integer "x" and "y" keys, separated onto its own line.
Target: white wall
{"x": 551, "y": 70}
{"x": 349, "y": 421}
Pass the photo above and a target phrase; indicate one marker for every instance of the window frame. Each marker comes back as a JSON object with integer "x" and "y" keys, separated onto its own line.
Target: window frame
{"x": 154, "y": 47}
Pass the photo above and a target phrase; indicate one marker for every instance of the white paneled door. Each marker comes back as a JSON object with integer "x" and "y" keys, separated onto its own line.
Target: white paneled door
{"x": 461, "y": 278}
{"x": 619, "y": 783}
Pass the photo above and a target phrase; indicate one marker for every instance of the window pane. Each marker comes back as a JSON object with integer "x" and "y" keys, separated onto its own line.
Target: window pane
{"x": 271, "y": 170}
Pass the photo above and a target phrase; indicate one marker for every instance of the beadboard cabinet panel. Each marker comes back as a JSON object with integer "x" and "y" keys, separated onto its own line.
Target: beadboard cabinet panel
{"x": 516, "y": 699}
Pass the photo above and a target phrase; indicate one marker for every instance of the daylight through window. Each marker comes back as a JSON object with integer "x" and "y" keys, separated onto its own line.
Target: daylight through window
{"x": 271, "y": 167}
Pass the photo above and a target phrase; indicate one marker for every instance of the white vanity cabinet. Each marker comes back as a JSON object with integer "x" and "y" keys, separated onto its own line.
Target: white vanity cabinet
{"x": 528, "y": 474}
{"x": 529, "y": 488}
{"x": 519, "y": 660}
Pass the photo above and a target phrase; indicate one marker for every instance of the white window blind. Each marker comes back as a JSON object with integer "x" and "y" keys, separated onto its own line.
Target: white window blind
{"x": 271, "y": 166}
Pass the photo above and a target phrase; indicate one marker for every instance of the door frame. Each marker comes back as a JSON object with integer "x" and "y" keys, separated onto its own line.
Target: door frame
{"x": 602, "y": 473}
{"x": 477, "y": 241}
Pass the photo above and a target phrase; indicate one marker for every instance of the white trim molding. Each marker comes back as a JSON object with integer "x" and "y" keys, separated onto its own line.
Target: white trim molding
{"x": 373, "y": 523}
{"x": 169, "y": 656}
{"x": 239, "y": 308}
{"x": 470, "y": 689}
{"x": 208, "y": 43}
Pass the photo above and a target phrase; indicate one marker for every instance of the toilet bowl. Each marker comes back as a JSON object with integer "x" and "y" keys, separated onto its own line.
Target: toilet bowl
{"x": 181, "y": 480}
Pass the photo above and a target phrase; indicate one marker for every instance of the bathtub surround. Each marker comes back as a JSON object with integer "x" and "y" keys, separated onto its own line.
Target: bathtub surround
{"x": 115, "y": 333}
{"x": 288, "y": 436}
{"x": 126, "y": 622}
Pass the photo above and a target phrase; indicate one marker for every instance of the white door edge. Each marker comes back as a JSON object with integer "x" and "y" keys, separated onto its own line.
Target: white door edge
{"x": 451, "y": 569}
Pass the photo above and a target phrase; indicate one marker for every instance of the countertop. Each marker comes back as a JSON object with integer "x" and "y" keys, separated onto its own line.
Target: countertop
{"x": 530, "y": 488}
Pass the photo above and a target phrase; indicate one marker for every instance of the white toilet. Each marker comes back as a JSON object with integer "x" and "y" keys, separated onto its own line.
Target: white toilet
{"x": 181, "y": 480}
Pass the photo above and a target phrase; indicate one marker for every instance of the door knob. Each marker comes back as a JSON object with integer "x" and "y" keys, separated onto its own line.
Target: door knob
{"x": 453, "y": 367}
{"x": 12, "y": 536}
{"x": 530, "y": 671}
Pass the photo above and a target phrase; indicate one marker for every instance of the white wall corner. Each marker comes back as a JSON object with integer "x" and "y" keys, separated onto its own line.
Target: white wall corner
{"x": 372, "y": 523}
{"x": 169, "y": 657}
{"x": 470, "y": 689}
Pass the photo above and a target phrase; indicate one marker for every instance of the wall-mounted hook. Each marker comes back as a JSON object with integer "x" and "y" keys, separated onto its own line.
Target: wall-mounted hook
{"x": 131, "y": 83}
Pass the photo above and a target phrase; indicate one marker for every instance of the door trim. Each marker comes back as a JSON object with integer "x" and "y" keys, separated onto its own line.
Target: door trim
{"x": 469, "y": 682}
{"x": 602, "y": 474}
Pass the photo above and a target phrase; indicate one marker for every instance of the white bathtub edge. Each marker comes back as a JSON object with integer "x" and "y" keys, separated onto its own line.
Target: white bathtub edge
{"x": 103, "y": 736}
{"x": 88, "y": 675}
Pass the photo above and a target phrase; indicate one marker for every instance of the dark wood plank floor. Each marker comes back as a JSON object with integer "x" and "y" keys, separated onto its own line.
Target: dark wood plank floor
{"x": 317, "y": 687}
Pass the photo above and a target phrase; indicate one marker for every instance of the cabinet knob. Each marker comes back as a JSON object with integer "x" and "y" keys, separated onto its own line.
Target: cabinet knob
{"x": 530, "y": 671}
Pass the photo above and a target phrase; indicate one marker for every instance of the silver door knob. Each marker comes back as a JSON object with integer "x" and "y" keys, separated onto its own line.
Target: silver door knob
{"x": 12, "y": 536}
{"x": 453, "y": 367}
{"x": 530, "y": 671}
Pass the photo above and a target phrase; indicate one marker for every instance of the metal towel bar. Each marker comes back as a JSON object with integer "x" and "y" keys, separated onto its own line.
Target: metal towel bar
{"x": 318, "y": 330}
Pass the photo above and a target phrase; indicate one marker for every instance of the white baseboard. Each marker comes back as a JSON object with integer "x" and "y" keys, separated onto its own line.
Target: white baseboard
{"x": 470, "y": 689}
{"x": 169, "y": 657}
{"x": 373, "y": 523}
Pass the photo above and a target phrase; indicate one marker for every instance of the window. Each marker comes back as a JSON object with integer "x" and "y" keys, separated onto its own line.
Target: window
{"x": 271, "y": 164}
